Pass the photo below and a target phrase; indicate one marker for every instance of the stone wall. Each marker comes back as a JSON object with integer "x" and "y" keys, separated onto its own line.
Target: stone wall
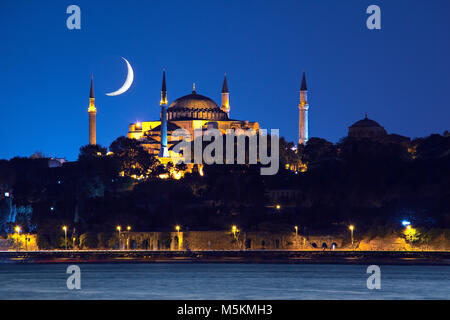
{"x": 226, "y": 240}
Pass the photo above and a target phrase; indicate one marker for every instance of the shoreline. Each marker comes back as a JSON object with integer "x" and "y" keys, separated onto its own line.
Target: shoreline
{"x": 251, "y": 256}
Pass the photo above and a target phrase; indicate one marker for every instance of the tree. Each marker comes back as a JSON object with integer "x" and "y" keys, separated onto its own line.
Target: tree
{"x": 91, "y": 151}
{"x": 433, "y": 146}
{"x": 318, "y": 149}
{"x": 134, "y": 160}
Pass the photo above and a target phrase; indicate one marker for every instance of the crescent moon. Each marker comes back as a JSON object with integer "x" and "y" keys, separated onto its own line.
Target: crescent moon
{"x": 128, "y": 81}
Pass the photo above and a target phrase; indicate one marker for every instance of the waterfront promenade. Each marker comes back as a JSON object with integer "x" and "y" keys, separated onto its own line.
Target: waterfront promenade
{"x": 244, "y": 256}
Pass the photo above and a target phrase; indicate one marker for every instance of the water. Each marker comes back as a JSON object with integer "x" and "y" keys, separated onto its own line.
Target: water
{"x": 222, "y": 281}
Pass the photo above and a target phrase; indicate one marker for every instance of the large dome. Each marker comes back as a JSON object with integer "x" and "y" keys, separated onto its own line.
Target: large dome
{"x": 194, "y": 101}
{"x": 195, "y": 106}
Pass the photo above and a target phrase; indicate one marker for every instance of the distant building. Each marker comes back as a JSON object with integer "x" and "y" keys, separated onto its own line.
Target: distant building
{"x": 370, "y": 129}
{"x": 56, "y": 162}
{"x": 366, "y": 128}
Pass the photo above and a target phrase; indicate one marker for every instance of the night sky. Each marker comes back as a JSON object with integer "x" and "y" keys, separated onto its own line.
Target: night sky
{"x": 399, "y": 75}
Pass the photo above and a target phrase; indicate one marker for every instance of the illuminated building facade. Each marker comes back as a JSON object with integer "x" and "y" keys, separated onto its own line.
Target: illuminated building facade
{"x": 192, "y": 112}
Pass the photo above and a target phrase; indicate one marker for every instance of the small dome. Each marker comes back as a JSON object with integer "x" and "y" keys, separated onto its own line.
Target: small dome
{"x": 365, "y": 123}
{"x": 366, "y": 128}
{"x": 194, "y": 101}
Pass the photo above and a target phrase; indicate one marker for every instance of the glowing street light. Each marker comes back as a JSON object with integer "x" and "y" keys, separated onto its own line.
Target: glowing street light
{"x": 296, "y": 230}
{"x": 118, "y": 228}
{"x": 128, "y": 237}
{"x": 406, "y": 223}
{"x": 65, "y": 236}
{"x": 234, "y": 230}
{"x": 278, "y": 207}
{"x": 177, "y": 227}
{"x": 351, "y": 228}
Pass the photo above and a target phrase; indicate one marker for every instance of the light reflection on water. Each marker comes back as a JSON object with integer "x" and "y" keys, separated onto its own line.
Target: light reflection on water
{"x": 222, "y": 281}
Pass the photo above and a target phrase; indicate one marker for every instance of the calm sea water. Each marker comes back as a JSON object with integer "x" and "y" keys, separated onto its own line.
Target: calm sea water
{"x": 223, "y": 281}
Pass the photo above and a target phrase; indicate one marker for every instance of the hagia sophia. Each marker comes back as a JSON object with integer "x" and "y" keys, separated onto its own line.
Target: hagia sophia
{"x": 190, "y": 112}
{"x": 196, "y": 112}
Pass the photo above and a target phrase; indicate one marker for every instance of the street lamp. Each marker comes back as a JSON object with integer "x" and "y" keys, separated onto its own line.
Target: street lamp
{"x": 128, "y": 237}
{"x": 118, "y": 228}
{"x": 234, "y": 230}
{"x": 351, "y": 228}
{"x": 17, "y": 229}
{"x": 179, "y": 241}
{"x": 278, "y": 207}
{"x": 296, "y": 230}
{"x": 65, "y": 236}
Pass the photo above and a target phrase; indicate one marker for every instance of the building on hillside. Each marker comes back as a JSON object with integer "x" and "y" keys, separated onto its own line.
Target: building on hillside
{"x": 370, "y": 129}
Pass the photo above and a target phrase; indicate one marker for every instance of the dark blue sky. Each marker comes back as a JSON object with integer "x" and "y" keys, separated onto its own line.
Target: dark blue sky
{"x": 399, "y": 75}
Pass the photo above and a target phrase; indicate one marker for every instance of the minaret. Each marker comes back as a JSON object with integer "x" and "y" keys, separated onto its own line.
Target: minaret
{"x": 225, "y": 97}
{"x": 92, "y": 114}
{"x": 303, "y": 113}
{"x": 163, "y": 151}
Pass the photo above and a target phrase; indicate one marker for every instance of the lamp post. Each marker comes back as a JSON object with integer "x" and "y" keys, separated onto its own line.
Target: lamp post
{"x": 128, "y": 237}
{"x": 296, "y": 230}
{"x": 65, "y": 236}
{"x": 178, "y": 228}
{"x": 233, "y": 230}
{"x": 351, "y": 228}
{"x": 118, "y": 228}
{"x": 18, "y": 229}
